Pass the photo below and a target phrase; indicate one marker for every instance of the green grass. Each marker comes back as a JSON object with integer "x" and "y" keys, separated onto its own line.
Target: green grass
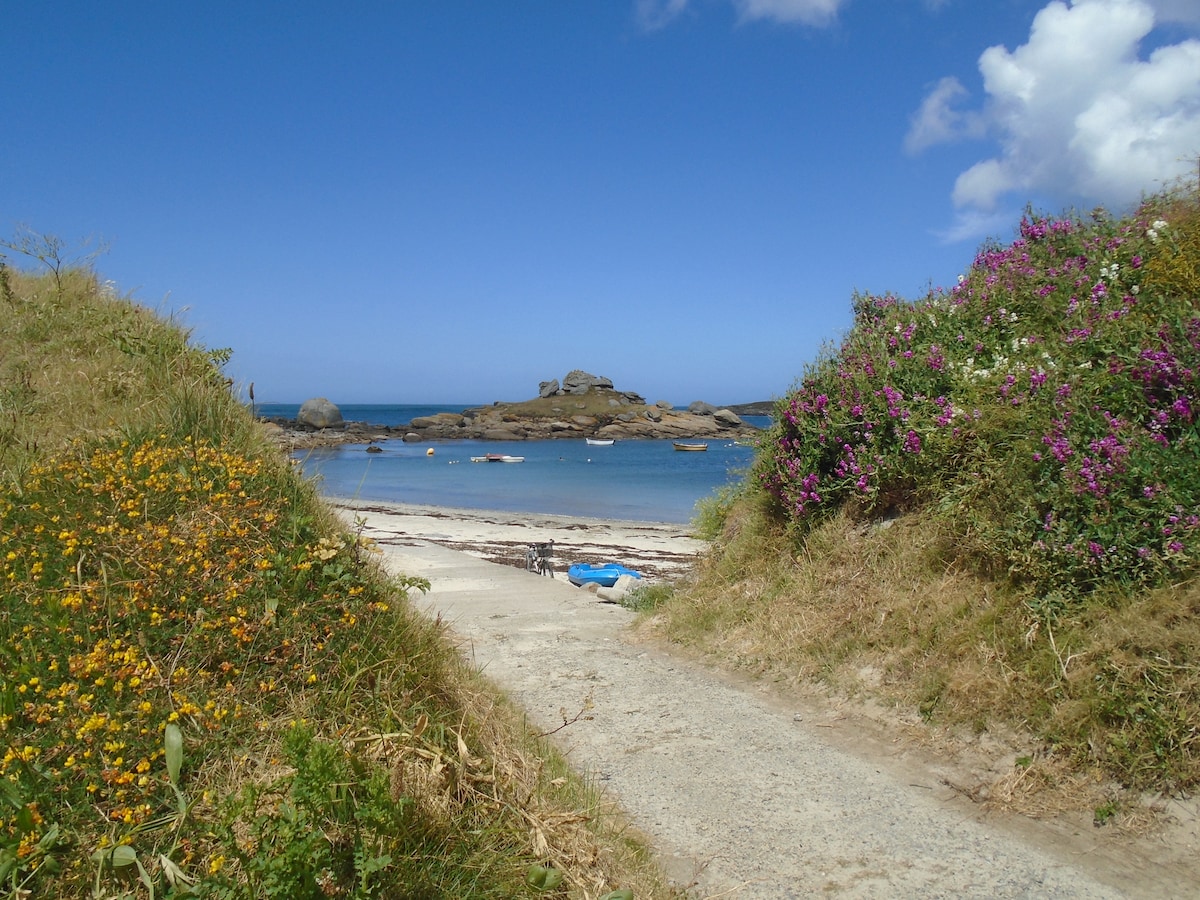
{"x": 208, "y": 686}
{"x": 594, "y": 403}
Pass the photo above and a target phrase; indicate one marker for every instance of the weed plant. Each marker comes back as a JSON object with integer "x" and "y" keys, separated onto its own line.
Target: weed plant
{"x": 1031, "y": 436}
{"x": 207, "y": 685}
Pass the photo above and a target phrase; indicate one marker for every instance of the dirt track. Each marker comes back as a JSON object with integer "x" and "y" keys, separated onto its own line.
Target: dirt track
{"x": 746, "y": 795}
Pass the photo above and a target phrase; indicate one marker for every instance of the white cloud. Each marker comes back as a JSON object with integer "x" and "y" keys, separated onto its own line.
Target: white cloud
{"x": 971, "y": 224}
{"x": 804, "y": 12}
{"x": 655, "y": 14}
{"x": 1078, "y": 112}
{"x": 937, "y": 121}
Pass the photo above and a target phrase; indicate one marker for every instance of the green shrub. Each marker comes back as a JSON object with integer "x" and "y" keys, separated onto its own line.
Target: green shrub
{"x": 1047, "y": 405}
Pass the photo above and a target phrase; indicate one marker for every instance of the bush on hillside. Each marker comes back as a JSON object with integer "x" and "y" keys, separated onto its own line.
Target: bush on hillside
{"x": 208, "y": 687}
{"x": 1046, "y": 405}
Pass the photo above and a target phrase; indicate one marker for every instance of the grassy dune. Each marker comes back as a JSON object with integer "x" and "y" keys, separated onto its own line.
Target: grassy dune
{"x": 207, "y": 686}
{"x": 983, "y": 506}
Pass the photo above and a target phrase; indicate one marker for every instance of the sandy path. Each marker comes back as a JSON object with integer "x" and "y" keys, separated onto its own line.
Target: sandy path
{"x": 743, "y": 794}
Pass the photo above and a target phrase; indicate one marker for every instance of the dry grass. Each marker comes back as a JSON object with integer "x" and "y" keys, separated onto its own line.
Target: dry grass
{"x": 887, "y": 613}
{"x": 80, "y": 362}
{"x": 569, "y": 823}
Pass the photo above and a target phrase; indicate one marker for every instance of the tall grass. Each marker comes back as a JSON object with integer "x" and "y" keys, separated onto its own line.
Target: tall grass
{"x": 988, "y": 501}
{"x": 208, "y": 687}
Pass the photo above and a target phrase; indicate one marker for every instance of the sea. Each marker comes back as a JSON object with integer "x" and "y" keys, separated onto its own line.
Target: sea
{"x": 633, "y": 480}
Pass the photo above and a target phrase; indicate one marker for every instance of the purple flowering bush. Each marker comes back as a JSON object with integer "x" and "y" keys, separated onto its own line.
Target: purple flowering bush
{"x": 1046, "y": 406}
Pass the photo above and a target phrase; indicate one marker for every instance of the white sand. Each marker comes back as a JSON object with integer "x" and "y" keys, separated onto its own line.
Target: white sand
{"x": 655, "y": 549}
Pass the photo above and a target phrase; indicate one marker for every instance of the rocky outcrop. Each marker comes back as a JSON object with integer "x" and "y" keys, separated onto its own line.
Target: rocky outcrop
{"x": 623, "y": 422}
{"x": 580, "y": 382}
{"x": 583, "y": 406}
{"x": 319, "y": 413}
{"x": 727, "y": 418}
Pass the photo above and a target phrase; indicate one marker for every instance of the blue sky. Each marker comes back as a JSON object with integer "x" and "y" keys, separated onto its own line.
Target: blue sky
{"x": 452, "y": 202}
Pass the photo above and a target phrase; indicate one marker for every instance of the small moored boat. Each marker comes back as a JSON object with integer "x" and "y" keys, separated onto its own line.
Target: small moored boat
{"x": 603, "y": 574}
{"x": 691, "y": 445}
{"x": 497, "y": 457}
{"x": 601, "y": 442}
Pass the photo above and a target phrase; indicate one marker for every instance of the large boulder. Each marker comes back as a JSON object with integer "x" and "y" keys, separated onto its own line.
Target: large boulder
{"x": 700, "y": 408}
{"x": 319, "y": 413}
{"x": 439, "y": 420}
{"x": 503, "y": 433}
{"x": 727, "y": 418}
{"x": 579, "y": 382}
{"x": 548, "y": 388}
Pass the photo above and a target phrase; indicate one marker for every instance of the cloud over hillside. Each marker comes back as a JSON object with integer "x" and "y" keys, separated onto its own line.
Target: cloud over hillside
{"x": 1089, "y": 108}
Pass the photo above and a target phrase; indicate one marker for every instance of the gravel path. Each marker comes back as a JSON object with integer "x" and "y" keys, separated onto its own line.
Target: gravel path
{"x": 742, "y": 796}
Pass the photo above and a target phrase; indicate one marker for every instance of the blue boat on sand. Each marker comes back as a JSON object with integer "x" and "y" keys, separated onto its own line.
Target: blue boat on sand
{"x": 604, "y": 574}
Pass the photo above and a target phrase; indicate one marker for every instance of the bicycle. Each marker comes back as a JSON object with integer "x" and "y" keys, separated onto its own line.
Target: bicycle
{"x": 537, "y": 558}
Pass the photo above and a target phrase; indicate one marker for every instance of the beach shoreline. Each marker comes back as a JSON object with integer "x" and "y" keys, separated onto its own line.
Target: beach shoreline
{"x": 660, "y": 551}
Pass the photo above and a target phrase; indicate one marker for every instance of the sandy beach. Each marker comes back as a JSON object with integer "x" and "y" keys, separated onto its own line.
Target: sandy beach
{"x": 658, "y": 550}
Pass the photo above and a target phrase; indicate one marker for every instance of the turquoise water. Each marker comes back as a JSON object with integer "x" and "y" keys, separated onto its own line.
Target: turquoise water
{"x": 646, "y": 481}
{"x": 372, "y": 413}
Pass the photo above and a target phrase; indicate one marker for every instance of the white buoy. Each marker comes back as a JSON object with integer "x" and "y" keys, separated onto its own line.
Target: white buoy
{"x": 429, "y": 452}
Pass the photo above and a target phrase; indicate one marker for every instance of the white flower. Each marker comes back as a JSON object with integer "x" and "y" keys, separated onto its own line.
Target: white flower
{"x": 1158, "y": 224}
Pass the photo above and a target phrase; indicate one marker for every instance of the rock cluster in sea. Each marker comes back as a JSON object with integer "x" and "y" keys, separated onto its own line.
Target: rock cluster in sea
{"x": 660, "y": 420}
{"x": 582, "y": 405}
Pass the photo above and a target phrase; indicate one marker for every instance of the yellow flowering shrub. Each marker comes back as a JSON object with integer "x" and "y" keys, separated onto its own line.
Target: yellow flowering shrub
{"x": 145, "y": 584}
